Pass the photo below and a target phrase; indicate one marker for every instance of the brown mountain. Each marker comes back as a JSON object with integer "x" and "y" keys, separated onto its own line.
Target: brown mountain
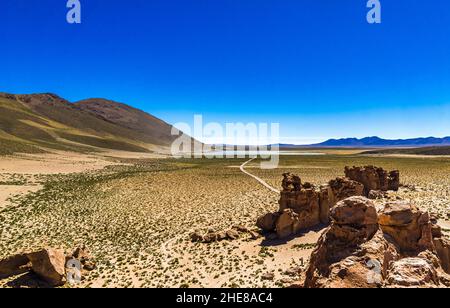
{"x": 29, "y": 123}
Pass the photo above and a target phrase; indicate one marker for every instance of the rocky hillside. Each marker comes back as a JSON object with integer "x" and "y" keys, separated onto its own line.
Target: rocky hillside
{"x": 32, "y": 123}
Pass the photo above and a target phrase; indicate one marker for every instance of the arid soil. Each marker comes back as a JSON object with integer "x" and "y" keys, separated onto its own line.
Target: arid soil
{"x": 136, "y": 214}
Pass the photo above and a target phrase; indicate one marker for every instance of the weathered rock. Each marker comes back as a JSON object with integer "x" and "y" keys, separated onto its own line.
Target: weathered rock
{"x": 287, "y": 224}
{"x": 343, "y": 188}
{"x": 267, "y": 222}
{"x": 241, "y": 228}
{"x": 412, "y": 272}
{"x": 310, "y": 206}
{"x": 232, "y": 234}
{"x": 304, "y": 211}
{"x": 291, "y": 182}
{"x": 442, "y": 246}
{"x": 355, "y": 251}
{"x": 324, "y": 204}
{"x": 374, "y": 178}
{"x": 355, "y": 211}
{"x": 210, "y": 237}
{"x": 82, "y": 254}
{"x": 268, "y": 276}
{"x": 197, "y": 236}
{"x": 343, "y": 251}
{"x": 409, "y": 227}
{"x": 49, "y": 264}
{"x": 14, "y": 265}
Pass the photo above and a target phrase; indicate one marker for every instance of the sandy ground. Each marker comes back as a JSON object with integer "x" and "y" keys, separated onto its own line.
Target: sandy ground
{"x": 136, "y": 219}
{"x": 55, "y": 163}
{"x": 59, "y": 162}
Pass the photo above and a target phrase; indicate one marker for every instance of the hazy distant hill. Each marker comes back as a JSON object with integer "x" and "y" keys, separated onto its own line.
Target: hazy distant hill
{"x": 31, "y": 122}
{"x": 443, "y": 150}
{"x": 379, "y": 142}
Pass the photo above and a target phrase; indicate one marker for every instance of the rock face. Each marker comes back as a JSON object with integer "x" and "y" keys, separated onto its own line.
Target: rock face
{"x": 49, "y": 264}
{"x": 374, "y": 178}
{"x": 364, "y": 249}
{"x": 303, "y": 206}
{"x": 409, "y": 227}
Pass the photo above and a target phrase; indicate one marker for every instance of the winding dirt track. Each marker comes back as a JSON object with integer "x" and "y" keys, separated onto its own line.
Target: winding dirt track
{"x": 261, "y": 181}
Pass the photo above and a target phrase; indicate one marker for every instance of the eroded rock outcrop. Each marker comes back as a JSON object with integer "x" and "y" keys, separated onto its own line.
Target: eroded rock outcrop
{"x": 374, "y": 178}
{"x": 361, "y": 248}
{"x": 303, "y": 206}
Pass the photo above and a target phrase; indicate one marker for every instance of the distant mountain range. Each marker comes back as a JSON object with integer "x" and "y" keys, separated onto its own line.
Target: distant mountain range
{"x": 379, "y": 142}
{"x": 35, "y": 122}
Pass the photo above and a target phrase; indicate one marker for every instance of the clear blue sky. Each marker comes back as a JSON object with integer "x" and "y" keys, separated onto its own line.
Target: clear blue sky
{"x": 315, "y": 66}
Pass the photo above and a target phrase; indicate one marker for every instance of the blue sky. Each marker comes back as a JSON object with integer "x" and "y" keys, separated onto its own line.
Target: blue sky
{"x": 314, "y": 66}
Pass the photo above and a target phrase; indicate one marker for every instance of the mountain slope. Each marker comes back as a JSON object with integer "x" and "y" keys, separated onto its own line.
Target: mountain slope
{"x": 29, "y": 123}
{"x": 145, "y": 126}
{"x": 379, "y": 142}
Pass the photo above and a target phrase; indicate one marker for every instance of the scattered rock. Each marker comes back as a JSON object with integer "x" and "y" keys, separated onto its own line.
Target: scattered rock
{"x": 268, "y": 276}
{"x": 232, "y": 234}
{"x": 293, "y": 271}
{"x": 49, "y": 264}
{"x": 82, "y": 254}
{"x": 197, "y": 237}
{"x": 254, "y": 235}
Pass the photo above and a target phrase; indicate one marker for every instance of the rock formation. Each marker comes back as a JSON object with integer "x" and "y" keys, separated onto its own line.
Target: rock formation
{"x": 374, "y": 178}
{"x": 304, "y": 206}
{"x": 364, "y": 249}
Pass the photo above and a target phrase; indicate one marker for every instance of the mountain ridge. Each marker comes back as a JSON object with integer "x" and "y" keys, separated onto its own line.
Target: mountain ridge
{"x": 46, "y": 120}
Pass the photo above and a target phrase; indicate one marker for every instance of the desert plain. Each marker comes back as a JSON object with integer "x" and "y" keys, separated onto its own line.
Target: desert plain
{"x": 135, "y": 213}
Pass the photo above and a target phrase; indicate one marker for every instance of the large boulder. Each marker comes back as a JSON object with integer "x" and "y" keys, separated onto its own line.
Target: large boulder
{"x": 267, "y": 222}
{"x": 409, "y": 227}
{"x": 341, "y": 259}
{"x": 355, "y": 211}
{"x": 14, "y": 265}
{"x": 374, "y": 178}
{"x": 49, "y": 264}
